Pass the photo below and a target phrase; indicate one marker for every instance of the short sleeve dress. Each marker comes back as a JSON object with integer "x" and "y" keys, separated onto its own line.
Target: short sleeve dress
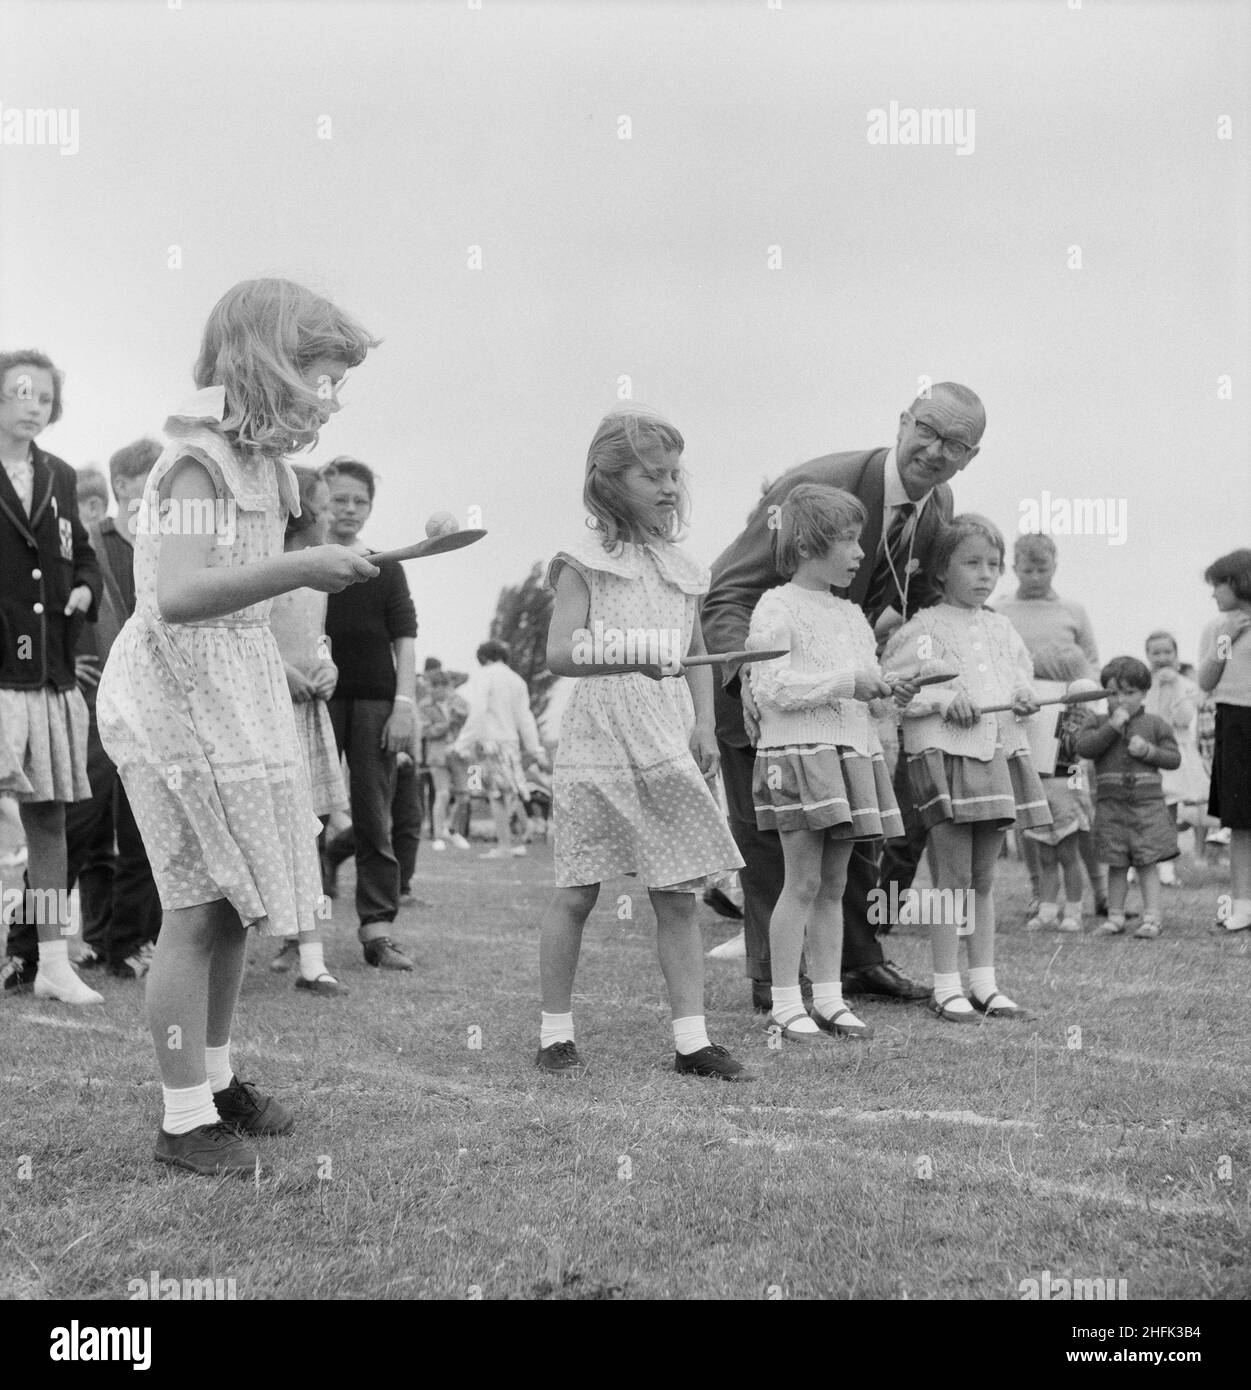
{"x": 627, "y": 793}
{"x": 197, "y": 716}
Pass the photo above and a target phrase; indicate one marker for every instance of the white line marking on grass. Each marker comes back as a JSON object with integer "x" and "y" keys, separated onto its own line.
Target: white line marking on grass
{"x": 1160, "y": 1206}
{"x": 43, "y": 1021}
{"x": 956, "y": 1117}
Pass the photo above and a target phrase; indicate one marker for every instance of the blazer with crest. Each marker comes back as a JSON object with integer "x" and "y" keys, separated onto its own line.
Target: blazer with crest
{"x": 745, "y": 569}
{"x": 42, "y": 557}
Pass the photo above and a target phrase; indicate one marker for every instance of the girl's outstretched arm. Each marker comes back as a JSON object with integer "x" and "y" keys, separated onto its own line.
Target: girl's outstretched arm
{"x": 568, "y": 637}
{"x": 187, "y": 590}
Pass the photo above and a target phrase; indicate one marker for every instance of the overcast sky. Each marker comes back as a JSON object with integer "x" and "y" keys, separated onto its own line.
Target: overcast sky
{"x": 200, "y": 125}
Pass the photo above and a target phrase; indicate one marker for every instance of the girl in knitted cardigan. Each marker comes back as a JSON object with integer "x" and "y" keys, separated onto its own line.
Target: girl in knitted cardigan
{"x": 970, "y": 773}
{"x": 820, "y": 779}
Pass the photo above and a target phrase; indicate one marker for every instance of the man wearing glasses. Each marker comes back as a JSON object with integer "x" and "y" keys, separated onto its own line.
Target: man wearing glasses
{"x": 905, "y": 491}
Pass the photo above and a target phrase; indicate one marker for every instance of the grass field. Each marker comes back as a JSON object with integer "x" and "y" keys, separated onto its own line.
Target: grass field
{"x": 1107, "y": 1137}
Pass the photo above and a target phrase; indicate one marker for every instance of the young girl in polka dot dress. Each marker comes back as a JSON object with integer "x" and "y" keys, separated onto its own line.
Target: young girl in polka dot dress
{"x": 194, "y": 707}
{"x": 636, "y": 737}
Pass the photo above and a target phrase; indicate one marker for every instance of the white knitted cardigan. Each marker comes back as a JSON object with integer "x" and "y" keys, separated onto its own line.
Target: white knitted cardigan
{"x": 994, "y": 665}
{"x": 806, "y": 697}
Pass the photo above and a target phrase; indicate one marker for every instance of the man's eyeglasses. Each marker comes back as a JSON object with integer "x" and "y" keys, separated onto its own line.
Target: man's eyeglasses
{"x": 953, "y": 449}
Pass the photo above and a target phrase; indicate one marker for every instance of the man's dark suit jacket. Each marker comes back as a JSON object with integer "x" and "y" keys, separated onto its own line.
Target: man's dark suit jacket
{"x": 745, "y": 569}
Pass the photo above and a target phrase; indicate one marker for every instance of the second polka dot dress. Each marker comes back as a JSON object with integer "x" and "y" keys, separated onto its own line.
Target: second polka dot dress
{"x": 628, "y": 795}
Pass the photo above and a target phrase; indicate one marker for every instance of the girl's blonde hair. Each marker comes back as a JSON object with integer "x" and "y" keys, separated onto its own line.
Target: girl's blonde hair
{"x": 260, "y": 337}
{"x": 814, "y": 516}
{"x": 624, "y": 437}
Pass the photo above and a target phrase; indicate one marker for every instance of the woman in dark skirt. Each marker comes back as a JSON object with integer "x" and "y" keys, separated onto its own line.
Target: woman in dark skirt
{"x": 1225, "y": 673}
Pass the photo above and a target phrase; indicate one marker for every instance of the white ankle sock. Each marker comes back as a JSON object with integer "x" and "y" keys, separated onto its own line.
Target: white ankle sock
{"x": 312, "y": 960}
{"x": 555, "y": 1028}
{"x": 827, "y": 997}
{"x": 1239, "y": 913}
{"x": 689, "y": 1034}
{"x": 1048, "y": 912}
{"x": 188, "y": 1108}
{"x": 982, "y": 985}
{"x": 947, "y": 985}
{"x": 789, "y": 1011}
{"x": 57, "y": 979}
{"x": 54, "y": 961}
{"x": 217, "y": 1064}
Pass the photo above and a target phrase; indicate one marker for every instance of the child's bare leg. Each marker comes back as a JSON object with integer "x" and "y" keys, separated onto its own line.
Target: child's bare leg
{"x": 1149, "y": 883}
{"x": 953, "y": 848}
{"x": 1031, "y": 852}
{"x": 502, "y": 814}
{"x": 1048, "y": 888}
{"x": 681, "y": 952}
{"x": 178, "y": 991}
{"x": 802, "y": 853}
{"x": 984, "y": 988}
{"x": 987, "y": 840}
{"x": 560, "y": 940}
{"x": 1095, "y": 871}
{"x": 1118, "y": 889}
{"x": 225, "y": 975}
{"x": 44, "y": 826}
{"x": 825, "y": 940}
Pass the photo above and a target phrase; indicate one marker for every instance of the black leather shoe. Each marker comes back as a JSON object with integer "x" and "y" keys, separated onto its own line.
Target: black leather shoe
{"x": 722, "y": 905}
{"x": 244, "y": 1108}
{"x": 381, "y": 953}
{"x": 213, "y": 1151}
{"x": 560, "y": 1059}
{"x": 885, "y": 981}
{"x": 711, "y": 1061}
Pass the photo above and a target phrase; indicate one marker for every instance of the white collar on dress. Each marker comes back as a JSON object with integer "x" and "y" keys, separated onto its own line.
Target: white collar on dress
{"x": 674, "y": 563}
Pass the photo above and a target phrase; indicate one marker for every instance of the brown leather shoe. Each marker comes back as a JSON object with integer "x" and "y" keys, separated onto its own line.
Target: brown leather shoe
{"x": 884, "y": 981}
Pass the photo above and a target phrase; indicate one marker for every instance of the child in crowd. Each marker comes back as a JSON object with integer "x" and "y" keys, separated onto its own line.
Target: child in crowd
{"x": 970, "y": 774}
{"x": 636, "y": 737}
{"x": 194, "y": 706}
{"x": 1175, "y": 697}
{"x": 93, "y": 495}
{"x": 298, "y": 622}
{"x": 820, "y": 778}
{"x": 49, "y": 585}
{"x": 1058, "y": 636}
{"x": 1132, "y": 828}
{"x": 120, "y": 905}
{"x": 1072, "y": 811}
{"x": 1225, "y": 673}
{"x": 441, "y": 715}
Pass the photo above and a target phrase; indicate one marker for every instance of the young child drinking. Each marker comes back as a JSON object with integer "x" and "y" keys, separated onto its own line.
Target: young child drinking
{"x": 49, "y": 584}
{"x": 194, "y": 706}
{"x": 298, "y": 622}
{"x": 970, "y": 773}
{"x": 1225, "y": 672}
{"x": 1132, "y": 828}
{"x": 820, "y": 778}
{"x": 636, "y": 736}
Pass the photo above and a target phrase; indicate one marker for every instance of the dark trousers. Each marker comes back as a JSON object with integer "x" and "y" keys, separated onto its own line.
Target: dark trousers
{"x": 118, "y": 901}
{"x": 358, "y": 728}
{"x": 407, "y": 815}
{"x": 765, "y": 871}
{"x": 901, "y": 857}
